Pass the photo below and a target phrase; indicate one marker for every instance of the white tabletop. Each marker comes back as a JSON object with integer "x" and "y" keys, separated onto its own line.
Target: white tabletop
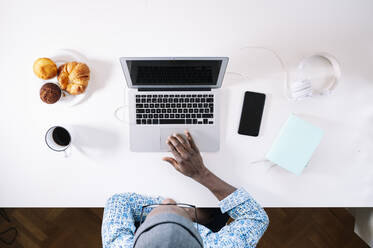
{"x": 341, "y": 170}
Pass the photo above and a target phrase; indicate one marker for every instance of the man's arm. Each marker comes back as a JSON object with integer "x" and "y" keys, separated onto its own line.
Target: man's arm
{"x": 250, "y": 223}
{"x": 217, "y": 186}
{"x": 121, "y": 213}
{"x": 189, "y": 162}
{"x": 250, "y": 220}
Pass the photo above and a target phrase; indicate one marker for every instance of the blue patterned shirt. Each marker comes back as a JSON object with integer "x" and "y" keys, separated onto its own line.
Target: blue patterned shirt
{"x": 250, "y": 221}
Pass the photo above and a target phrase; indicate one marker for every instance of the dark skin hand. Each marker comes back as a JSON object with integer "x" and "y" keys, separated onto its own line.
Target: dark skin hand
{"x": 188, "y": 161}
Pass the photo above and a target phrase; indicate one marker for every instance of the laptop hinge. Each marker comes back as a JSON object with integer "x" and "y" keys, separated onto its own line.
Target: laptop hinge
{"x": 174, "y": 89}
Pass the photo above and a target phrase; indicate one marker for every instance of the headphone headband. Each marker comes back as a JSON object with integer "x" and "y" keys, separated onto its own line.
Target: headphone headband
{"x": 306, "y": 85}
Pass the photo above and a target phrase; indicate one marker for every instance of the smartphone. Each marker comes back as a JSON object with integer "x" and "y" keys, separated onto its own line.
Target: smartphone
{"x": 252, "y": 111}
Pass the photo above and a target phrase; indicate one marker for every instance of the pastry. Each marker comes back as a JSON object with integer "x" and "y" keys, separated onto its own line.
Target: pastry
{"x": 45, "y": 68}
{"x": 50, "y": 93}
{"x": 73, "y": 77}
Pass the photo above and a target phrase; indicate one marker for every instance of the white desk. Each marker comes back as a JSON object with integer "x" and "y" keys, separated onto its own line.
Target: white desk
{"x": 340, "y": 173}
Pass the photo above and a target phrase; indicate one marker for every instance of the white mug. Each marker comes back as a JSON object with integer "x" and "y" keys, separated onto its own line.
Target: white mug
{"x": 58, "y": 139}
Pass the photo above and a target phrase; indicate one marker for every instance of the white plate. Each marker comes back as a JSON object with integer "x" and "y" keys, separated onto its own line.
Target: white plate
{"x": 61, "y": 57}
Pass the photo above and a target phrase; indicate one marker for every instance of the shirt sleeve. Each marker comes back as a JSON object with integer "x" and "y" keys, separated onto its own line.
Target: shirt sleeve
{"x": 120, "y": 214}
{"x": 250, "y": 223}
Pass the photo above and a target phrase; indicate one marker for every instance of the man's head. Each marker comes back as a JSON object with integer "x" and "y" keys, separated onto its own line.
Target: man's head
{"x": 168, "y": 226}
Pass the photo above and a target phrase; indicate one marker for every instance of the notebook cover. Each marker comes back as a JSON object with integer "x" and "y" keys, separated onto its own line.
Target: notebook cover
{"x": 295, "y": 144}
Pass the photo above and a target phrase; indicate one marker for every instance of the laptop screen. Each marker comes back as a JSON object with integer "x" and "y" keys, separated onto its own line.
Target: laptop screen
{"x": 174, "y": 72}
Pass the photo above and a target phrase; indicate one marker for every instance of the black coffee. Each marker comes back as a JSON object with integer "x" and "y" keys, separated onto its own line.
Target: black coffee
{"x": 61, "y": 136}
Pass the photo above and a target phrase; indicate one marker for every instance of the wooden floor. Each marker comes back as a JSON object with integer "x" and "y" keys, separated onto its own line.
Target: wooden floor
{"x": 77, "y": 228}
{"x": 310, "y": 228}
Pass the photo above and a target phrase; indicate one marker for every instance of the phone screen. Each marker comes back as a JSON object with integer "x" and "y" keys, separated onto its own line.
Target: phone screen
{"x": 252, "y": 111}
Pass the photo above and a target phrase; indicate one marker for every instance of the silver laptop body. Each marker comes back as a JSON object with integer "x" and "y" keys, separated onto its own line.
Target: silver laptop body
{"x": 169, "y": 95}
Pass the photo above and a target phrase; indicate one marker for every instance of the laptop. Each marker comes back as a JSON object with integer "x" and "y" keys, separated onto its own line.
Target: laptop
{"x": 169, "y": 95}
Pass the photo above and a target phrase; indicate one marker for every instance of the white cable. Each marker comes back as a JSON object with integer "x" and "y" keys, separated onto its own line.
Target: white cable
{"x": 302, "y": 88}
{"x": 280, "y": 60}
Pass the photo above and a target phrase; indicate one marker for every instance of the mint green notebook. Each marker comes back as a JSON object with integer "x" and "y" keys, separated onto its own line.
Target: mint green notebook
{"x": 295, "y": 144}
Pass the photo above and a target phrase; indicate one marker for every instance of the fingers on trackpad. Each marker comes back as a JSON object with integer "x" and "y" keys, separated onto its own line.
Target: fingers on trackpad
{"x": 167, "y": 132}
{"x": 207, "y": 140}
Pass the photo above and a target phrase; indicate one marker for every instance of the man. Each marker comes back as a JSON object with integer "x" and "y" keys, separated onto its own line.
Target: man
{"x": 172, "y": 225}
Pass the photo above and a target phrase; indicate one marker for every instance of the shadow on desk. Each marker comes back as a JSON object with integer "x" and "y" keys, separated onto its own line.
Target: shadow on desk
{"x": 91, "y": 140}
{"x": 100, "y": 75}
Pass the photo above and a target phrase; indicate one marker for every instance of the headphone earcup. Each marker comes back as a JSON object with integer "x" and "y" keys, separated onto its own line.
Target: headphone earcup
{"x": 301, "y": 89}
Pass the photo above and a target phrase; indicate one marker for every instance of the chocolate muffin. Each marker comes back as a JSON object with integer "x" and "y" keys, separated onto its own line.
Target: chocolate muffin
{"x": 50, "y": 93}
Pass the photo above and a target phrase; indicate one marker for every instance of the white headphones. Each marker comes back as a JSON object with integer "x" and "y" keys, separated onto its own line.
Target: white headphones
{"x": 302, "y": 87}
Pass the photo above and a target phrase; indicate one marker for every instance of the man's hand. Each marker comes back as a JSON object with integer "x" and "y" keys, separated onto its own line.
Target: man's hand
{"x": 187, "y": 159}
{"x": 189, "y": 162}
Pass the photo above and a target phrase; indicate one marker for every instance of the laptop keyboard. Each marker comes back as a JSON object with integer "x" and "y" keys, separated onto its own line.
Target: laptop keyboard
{"x": 154, "y": 109}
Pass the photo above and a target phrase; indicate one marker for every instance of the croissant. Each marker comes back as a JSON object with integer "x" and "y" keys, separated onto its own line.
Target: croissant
{"x": 73, "y": 77}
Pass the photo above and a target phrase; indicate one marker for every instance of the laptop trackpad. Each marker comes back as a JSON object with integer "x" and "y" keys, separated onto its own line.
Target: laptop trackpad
{"x": 204, "y": 138}
{"x": 166, "y": 132}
